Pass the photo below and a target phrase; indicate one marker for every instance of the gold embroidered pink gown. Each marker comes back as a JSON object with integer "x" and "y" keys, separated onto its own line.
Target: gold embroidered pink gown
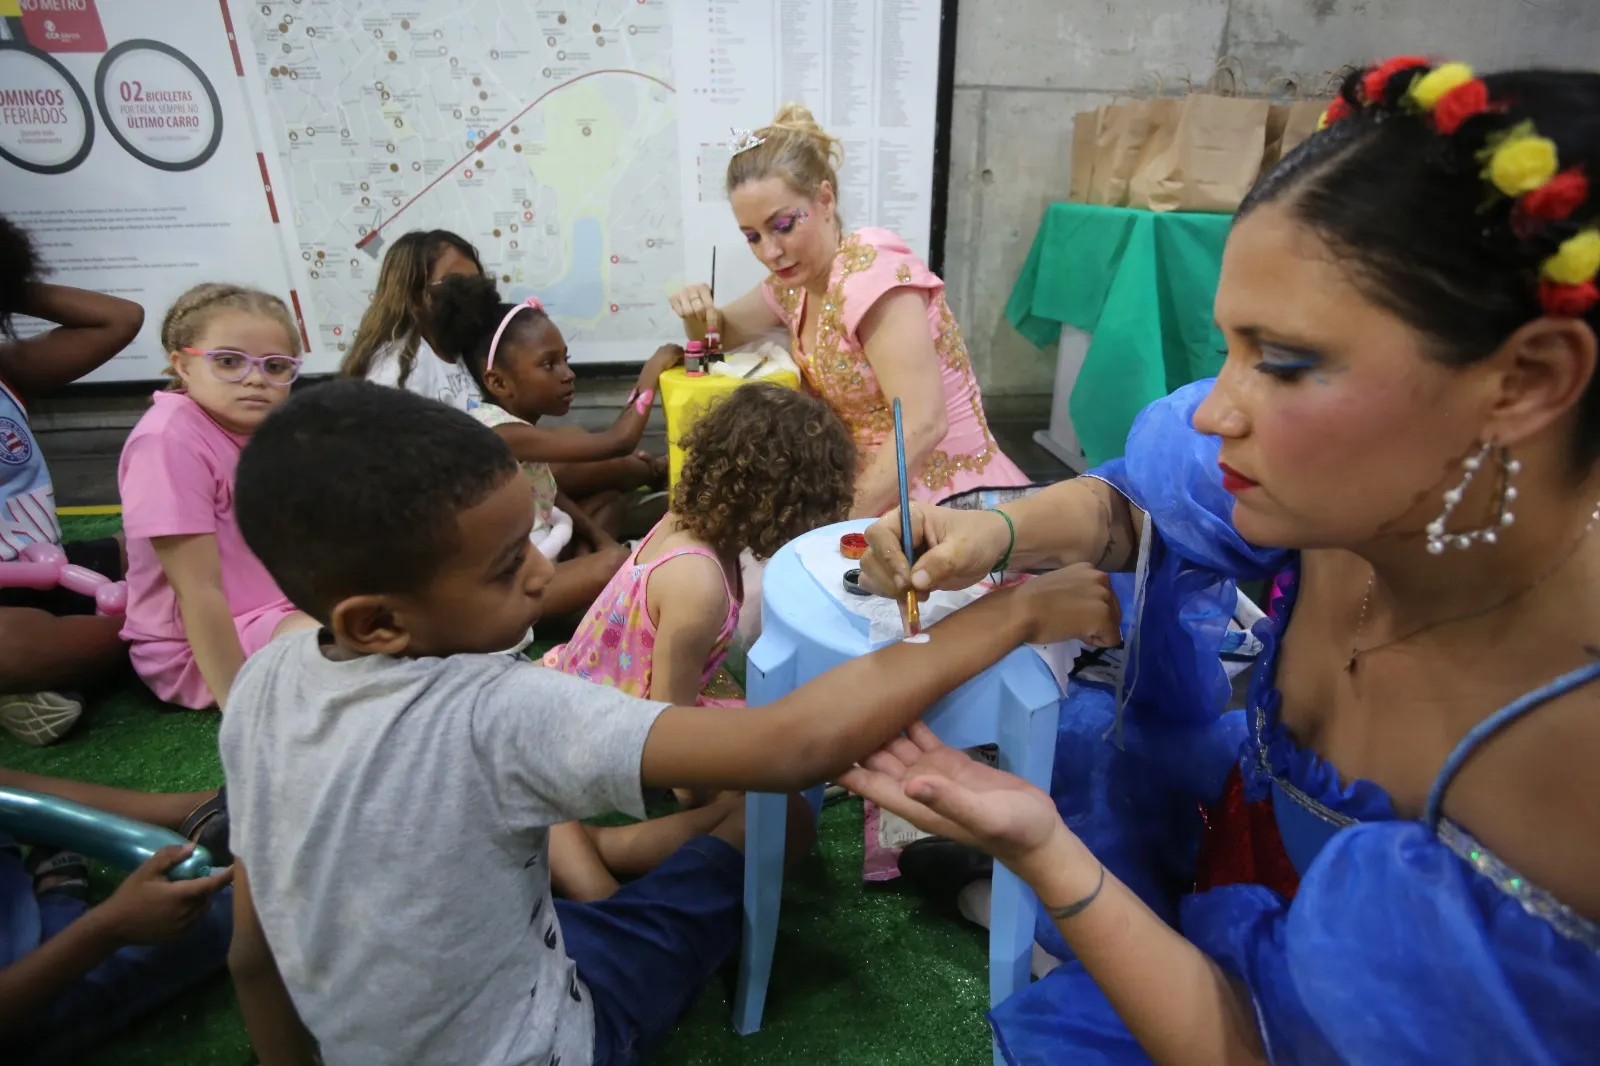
{"x": 870, "y": 263}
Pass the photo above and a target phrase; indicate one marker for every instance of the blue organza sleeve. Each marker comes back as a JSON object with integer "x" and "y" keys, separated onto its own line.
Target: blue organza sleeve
{"x": 1170, "y": 470}
{"x": 1133, "y": 798}
{"x": 1185, "y": 591}
{"x": 1395, "y": 951}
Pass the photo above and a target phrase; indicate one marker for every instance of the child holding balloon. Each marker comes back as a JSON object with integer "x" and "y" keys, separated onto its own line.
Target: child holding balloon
{"x": 199, "y": 602}
{"x": 51, "y": 638}
{"x": 72, "y": 975}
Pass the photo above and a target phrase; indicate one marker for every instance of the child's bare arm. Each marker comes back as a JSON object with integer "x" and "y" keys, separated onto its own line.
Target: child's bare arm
{"x": 145, "y": 909}
{"x": 92, "y": 328}
{"x": 276, "y": 1032}
{"x": 821, "y": 729}
{"x": 531, "y": 444}
{"x": 29, "y": 985}
{"x": 584, "y": 527}
{"x": 693, "y": 605}
{"x": 194, "y": 570}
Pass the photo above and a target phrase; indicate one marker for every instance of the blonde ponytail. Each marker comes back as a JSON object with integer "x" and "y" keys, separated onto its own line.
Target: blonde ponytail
{"x": 793, "y": 147}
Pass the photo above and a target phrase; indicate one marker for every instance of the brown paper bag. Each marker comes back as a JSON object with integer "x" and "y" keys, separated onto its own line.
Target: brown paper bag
{"x": 1124, "y": 128}
{"x": 1300, "y": 124}
{"x": 1214, "y": 158}
{"x": 1163, "y": 129}
{"x": 1085, "y": 140}
{"x": 1277, "y": 119}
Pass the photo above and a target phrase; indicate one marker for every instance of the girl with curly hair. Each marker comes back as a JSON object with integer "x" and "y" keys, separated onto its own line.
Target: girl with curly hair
{"x": 764, "y": 466}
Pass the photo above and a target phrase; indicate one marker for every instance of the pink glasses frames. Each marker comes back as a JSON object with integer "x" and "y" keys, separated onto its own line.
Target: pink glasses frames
{"x": 233, "y": 366}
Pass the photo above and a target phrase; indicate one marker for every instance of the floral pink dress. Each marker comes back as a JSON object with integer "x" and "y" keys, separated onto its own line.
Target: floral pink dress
{"x": 870, "y": 263}
{"x": 615, "y": 643}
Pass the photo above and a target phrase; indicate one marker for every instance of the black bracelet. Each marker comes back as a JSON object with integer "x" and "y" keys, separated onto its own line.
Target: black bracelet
{"x": 998, "y": 571}
{"x": 1072, "y": 910}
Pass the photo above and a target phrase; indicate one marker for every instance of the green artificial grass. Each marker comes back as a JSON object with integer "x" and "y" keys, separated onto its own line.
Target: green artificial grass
{"x": 862, "y": 974}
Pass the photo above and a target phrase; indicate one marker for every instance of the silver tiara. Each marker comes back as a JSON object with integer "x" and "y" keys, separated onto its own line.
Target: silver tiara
{"x": 742, "y": 140}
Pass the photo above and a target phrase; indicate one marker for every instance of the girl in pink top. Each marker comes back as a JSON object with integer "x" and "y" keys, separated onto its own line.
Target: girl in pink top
{"x": 199, "y": 601}
{"x": 762, "y": 467}
{"x": 867, "y": 321}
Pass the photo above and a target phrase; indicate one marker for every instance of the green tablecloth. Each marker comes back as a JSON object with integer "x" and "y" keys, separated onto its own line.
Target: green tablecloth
{"x": 1142, "y": 284}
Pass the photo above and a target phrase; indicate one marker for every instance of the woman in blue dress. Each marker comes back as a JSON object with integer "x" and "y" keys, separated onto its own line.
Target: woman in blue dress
{"x": 1392, "y": 854}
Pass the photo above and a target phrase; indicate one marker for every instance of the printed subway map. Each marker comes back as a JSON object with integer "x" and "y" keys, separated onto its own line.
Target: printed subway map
{"x": 543, "y": 133}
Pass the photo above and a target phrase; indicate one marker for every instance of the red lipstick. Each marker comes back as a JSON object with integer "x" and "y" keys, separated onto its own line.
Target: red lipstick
{"x": 1234, "y": 481}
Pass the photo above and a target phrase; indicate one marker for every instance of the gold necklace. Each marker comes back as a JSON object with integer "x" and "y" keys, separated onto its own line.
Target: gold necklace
{"x": 1356, "y": 651}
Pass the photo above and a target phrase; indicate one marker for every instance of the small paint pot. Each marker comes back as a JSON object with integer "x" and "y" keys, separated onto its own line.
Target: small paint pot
{"x": 852, "y": 583}
{"x": 853, "y": 546}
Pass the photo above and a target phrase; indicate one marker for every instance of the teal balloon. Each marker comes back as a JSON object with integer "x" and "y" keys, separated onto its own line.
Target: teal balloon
{"x": 108, "y": 838}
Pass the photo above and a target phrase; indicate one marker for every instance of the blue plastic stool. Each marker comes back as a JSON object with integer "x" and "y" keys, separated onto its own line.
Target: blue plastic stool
{"x": 1014, "y": 704}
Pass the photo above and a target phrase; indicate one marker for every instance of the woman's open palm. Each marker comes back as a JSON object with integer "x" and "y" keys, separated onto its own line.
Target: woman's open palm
{"x": 940, "y": 789}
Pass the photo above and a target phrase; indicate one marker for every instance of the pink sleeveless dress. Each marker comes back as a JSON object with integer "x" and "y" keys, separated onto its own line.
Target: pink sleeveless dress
{"x": 870, "y": 263}
{"x": 615, "y": 643}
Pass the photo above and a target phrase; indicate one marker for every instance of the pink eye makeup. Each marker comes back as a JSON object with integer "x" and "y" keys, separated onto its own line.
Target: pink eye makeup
{"x": 781, "y": 225}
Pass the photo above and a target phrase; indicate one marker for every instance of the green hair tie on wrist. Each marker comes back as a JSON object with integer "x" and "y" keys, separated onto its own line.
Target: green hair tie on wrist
{"x": 999, "y": 569}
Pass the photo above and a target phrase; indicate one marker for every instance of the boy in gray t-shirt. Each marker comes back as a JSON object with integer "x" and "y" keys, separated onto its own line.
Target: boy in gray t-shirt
{"x": 393, "y": 783}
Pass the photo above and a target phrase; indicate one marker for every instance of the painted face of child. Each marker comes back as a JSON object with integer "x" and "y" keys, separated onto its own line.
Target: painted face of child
{"x": 531, "y": 377}
{"x": 491, "y": 591}
{"x": 792, "y": 234}
{"x": 239, "y": 368}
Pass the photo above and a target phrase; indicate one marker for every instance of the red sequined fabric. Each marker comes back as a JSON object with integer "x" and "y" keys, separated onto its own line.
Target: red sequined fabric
{"x": 1242, "y": 845}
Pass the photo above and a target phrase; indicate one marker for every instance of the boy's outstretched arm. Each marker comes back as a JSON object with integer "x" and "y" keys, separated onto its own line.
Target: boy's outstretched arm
{"x": 821, "y": 729}
{"x": 278, "y": 1035}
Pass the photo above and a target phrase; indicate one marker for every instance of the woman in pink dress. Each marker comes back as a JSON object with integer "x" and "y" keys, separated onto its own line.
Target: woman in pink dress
{"x": 867, "y": 321}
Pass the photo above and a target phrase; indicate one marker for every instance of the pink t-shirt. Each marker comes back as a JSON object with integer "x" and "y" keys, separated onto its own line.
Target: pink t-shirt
{"x": 176, "y": 479}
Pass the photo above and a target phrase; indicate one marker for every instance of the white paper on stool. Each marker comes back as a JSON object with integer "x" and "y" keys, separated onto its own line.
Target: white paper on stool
{"x": 820, "y": 556}
{"x": 822, "y": 560}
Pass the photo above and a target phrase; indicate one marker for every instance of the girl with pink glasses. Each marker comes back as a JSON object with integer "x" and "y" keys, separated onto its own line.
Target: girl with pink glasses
{"x": 199, "y": 602}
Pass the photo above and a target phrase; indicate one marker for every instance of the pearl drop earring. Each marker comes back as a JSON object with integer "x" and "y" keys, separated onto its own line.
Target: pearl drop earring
{"x": 1439, "y": 535}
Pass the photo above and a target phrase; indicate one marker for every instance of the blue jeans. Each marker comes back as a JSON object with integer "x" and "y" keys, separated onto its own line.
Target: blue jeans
{"x": 647, "y": 952}
{"x": 131, "y": 983}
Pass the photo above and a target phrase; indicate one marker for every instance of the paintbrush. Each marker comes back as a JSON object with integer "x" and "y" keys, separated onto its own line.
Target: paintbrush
{"x": 913, "y": 619}
{"x": 713, "y": 333}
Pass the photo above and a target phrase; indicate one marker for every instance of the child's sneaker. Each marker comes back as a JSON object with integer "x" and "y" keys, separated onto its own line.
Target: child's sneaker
{"x": 40, "y": 718}
{"x": 58, "y": 870}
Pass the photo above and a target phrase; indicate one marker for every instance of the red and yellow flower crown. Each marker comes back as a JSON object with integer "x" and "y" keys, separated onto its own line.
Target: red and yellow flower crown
{"x": 1517, "y": 162}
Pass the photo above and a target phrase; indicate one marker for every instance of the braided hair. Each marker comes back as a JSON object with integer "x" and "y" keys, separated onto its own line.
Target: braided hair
{"x": 192, "y": 312}
{"x": 1461, "y": 203}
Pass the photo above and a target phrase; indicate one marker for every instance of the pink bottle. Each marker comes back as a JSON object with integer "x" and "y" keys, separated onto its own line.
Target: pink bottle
{"x": 694, "y": 360}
